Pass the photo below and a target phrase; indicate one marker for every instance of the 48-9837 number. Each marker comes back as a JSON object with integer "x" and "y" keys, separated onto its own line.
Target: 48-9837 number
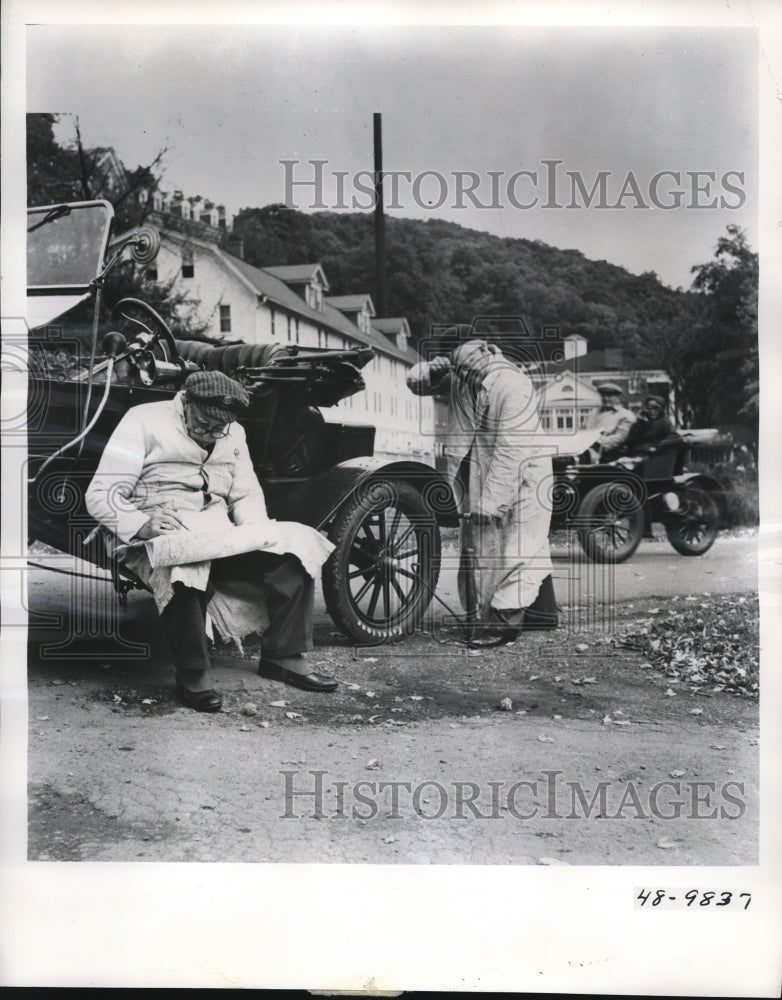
{"x": 683, "y": 899}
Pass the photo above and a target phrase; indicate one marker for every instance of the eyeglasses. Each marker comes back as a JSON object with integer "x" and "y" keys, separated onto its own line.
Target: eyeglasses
{"x": 206, "y": 429}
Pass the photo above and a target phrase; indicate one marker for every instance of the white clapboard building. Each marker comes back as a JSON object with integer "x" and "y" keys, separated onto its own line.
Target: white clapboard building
{"x": 291, "y": 305}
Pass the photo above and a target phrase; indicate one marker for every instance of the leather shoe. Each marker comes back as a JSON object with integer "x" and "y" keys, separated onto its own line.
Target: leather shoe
{"x": 201, "y": 701}
{"x": 308, "y": 682}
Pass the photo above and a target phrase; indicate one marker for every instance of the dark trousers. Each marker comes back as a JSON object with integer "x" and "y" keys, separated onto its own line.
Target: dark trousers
{"x": 288, "y": 592}
{"x": 541, "y": 614}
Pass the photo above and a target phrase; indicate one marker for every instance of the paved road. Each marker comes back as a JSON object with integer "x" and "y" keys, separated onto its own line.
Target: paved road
{"x": 656, "y": 570}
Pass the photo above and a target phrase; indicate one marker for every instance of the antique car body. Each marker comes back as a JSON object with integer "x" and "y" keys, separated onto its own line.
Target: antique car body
{"x": 608, "y": 505}
{"x": 383, "y": 517}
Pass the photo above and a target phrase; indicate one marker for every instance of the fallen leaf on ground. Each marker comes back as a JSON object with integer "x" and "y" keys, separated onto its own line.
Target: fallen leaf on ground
{"x": 545, "y": 739}
{"x": 696, "y": 711}
{"x": 506, "y": 705}
{"x": 670, "y": 694}
{"x": 678, "y": 774}
{"x": 373, "y": 764}
{"x": 389, "y": 840}
{"x": 294, "y": 715}
{"x": 665, "y": 843}
{"x": 717, "y": 746}
{"x": 416, "y": 697}
{"x": 278, "y": 704}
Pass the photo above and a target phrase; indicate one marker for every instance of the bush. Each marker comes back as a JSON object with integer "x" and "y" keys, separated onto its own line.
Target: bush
{"x": 739, "y": 479}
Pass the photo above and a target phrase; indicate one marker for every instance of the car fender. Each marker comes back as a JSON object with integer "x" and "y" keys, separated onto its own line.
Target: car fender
{"x": 317, "y": 499}
{"x": 708, "y": 483}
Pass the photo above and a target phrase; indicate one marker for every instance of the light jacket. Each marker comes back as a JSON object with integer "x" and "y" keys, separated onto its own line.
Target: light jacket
{"x": 614, "y": 424}
{"x": 151, "y": 462}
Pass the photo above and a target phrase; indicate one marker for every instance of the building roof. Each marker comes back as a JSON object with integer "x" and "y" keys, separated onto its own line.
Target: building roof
{"x": 299, "y": 274}
{"x": 612, "y": 359}
{"x": 351, "y": 303}
{"x": 263, "y": 282}
{"x": 392, "y": 325}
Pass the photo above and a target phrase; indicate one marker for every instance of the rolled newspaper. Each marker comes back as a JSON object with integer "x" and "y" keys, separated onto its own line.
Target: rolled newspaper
{"x": 280, "y": 537}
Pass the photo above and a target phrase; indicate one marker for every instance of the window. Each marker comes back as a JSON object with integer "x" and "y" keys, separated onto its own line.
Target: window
{"x": 564, "y": 421}
{"x": 273, "y": 318}
{"x": 188, "y": 267}
{"x": 297, "y": 329}
{"x": 545, "y": 422}
{"x": 225, "y": 319}
{"x": 289, "y": 327}
{"x": 320, "y": 338}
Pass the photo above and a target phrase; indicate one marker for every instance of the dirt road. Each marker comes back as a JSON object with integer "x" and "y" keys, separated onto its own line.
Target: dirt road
{"x": 561, "y": 749}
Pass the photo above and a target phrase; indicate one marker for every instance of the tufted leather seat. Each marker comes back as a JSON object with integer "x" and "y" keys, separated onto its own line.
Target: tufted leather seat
{"x": 228, "y": 358}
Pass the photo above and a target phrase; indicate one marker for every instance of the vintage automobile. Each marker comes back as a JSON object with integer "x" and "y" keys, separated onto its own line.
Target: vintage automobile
{"x": 608, "y": 504}
{"x": 383, "y": 517}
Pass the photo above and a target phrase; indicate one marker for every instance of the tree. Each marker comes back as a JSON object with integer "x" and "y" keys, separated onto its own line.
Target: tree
{"x": 727, "y": 339}
{"x": 58, "y": 173}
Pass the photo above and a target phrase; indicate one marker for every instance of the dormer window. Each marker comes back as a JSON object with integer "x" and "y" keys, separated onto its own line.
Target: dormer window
{"x": 315, "y": 296}
{"x": 188, "y": 267}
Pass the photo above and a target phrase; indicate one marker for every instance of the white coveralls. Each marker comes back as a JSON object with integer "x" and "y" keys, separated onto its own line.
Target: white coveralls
{"x": 491, "y": 448}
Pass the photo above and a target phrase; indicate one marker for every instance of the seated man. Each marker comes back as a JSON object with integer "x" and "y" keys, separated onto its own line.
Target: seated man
{"x": 651, "y": 427}
{"x": 181, "y": 464}
{"x": 612, "y": 420}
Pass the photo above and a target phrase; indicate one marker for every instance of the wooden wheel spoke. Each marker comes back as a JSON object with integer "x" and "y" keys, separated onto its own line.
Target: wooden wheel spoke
{"x": 395, "y": 584}
{"x": 405, "y": 535}
{"x": 394, "y": 526}
{"x": 378, "y": 582}
{"x": 365, "y": 588}
{"x": 385, "y": 577}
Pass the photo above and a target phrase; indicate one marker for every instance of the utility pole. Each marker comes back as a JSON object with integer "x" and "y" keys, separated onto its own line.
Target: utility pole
{"x": 380, "y": 221}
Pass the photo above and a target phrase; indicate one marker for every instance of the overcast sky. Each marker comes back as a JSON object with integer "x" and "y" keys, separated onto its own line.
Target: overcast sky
{"x": 232, "y": 103}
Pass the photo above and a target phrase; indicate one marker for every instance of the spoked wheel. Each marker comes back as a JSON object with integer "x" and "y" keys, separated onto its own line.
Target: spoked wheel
{"x": 381, "y": 577}
{"x": 612, "y": 523}
{"x": 693, "y": 528}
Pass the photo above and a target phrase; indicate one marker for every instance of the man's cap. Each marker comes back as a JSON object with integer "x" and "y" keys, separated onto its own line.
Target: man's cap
{"x": 657, "y": 400}
{"x": 609, "y": 387}
{"x": 218, "y": 397}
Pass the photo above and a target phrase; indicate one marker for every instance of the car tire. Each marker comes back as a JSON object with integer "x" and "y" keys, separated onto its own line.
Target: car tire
{"x": 693, "y": 529}
{"x": 381, "y": 577}
{"x": 611, "y": 523}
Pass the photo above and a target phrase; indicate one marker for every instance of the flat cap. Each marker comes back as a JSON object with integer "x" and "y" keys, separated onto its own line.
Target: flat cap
{"x": 609, "y": 387}
{"x": 217, "y": 395}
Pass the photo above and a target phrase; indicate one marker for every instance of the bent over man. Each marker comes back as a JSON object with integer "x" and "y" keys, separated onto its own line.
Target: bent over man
{"x": 499, "y": 479}
{"x": 183, "y": 464}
